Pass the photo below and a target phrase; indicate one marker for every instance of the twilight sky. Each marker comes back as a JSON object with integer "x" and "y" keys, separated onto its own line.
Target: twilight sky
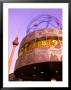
{"x": 18, "y": 22}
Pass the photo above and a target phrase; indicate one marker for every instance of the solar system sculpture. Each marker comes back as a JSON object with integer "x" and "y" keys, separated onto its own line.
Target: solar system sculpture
{"x": 40, "y": 52}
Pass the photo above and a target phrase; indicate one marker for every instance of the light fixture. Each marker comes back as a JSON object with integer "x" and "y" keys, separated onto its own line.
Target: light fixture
{"x": 34, "y": 67}
{"x": 34, "y": 75}
{"x": 56, "y": 71}
{"x": 42, "y": 72}
{"x": 53, "y": 80}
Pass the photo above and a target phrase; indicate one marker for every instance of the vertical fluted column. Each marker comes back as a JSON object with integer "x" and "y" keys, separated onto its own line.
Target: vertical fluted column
{"x": 15, "y": 43}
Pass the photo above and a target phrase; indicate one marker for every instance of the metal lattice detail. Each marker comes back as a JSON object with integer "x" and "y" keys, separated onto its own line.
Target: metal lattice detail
{"x": 43, "y": 21}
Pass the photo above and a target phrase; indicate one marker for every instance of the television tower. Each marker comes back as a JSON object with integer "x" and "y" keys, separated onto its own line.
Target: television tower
{"x": 15, "y": 43}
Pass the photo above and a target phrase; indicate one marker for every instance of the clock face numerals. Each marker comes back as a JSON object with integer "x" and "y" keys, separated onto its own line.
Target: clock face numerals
{"x": 54, "y": 42}
{"x": 43, "y": 43}
{"x": 48, "y": 48}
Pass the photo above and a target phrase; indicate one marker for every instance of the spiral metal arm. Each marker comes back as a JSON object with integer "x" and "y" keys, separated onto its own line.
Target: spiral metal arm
{"x": 43, "y": 21}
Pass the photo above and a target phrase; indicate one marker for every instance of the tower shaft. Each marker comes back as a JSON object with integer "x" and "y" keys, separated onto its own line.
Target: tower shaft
{"x": 11, "y": 57}
{"x": 15, "y": 43}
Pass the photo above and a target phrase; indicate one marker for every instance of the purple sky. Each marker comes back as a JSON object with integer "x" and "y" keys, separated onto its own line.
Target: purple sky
{"x": 18, "y": 22}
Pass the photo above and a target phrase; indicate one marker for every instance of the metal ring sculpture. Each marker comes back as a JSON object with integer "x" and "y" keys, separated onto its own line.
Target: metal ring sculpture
{"x": 43, "y": 21}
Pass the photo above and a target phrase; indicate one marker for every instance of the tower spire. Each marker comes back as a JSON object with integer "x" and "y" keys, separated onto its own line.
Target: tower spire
{"x": 15, "y": 43}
